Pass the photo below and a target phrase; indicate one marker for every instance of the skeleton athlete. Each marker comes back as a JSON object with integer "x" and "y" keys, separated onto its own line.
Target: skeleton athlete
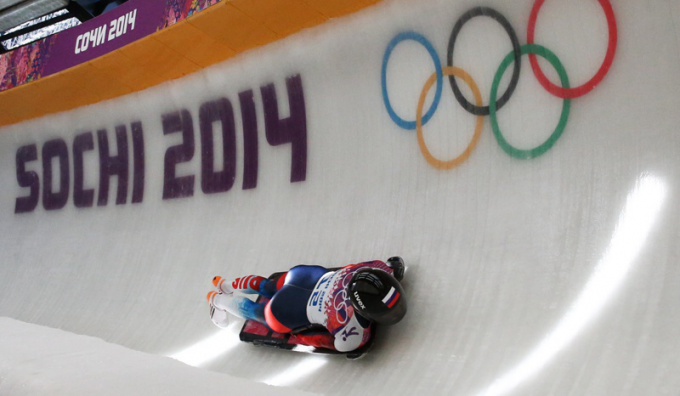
{"x": 344, "y": 301}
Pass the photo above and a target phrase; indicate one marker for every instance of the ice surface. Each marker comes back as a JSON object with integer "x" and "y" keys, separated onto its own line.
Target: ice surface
{"x": 551, "y": 275}
{"x": 40, "y": 360}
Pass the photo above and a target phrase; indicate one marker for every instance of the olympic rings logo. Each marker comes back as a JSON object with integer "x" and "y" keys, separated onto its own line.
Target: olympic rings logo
{"x": 340, "y": 306}
{"x": 531, "y": 49}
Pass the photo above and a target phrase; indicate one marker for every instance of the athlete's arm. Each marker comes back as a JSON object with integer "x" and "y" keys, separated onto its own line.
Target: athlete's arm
{"x": 351, "y": 336}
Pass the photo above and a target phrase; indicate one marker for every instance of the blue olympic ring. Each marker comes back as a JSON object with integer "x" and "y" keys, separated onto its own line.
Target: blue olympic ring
{"x": 419, "y": 38}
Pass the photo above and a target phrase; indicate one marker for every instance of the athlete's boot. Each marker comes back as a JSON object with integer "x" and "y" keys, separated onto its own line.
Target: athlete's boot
{"x": 218, "y": 316}
{"x": 221, "y": 285}
{"x": 237, "y": 305}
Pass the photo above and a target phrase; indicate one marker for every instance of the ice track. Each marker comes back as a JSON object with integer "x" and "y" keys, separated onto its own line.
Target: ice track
{"x": 543, "y": 261}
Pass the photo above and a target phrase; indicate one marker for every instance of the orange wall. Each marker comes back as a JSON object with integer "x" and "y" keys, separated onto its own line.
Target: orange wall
{"x": 211, "y": 36}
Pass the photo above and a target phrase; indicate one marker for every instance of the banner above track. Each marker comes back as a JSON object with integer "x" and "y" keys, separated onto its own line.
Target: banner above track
{"x": 144, "y": 43}
{"x": 128, "y": 23}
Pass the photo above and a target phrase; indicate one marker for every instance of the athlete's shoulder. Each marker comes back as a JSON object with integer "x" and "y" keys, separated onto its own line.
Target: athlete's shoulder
{"x": 377, "y": 264}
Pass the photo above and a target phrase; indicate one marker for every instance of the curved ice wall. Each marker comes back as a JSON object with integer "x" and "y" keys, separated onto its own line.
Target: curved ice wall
{"x": 542, "y": 261}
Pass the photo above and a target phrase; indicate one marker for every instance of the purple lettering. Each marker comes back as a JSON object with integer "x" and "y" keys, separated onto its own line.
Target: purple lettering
{"x": 250, "y": 145}
{"x": 139, "y": 165}
{"x": 291, "y": 130}
{"x": 28, "y": 179}
{"x": 113, "y": 166}
{"x": 213, "y": 181}
{"x": 178, "y": 187}
{"x": 55, "y": 150}
{"x": 56, "y": 172}
{"x": 81, "y": 198}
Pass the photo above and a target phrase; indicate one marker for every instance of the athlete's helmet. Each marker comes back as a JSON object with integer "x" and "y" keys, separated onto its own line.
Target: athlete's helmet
{"x": 378, "y": 296}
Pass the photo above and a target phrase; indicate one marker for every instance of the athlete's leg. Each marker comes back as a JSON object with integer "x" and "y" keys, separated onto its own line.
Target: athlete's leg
{"x": 251, "y": 284}
{"x": 287, "y": 310}
{"x": 236, "y": 305}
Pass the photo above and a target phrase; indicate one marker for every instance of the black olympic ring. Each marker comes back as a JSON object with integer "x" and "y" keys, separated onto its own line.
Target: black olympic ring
{"x": 498, "y": 17}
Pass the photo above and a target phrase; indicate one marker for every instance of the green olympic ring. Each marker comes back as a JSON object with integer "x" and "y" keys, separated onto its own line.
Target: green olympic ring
{"x": 512, "y": 151}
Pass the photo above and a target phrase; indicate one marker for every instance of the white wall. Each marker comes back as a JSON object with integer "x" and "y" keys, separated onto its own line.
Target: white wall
{"x": 501, "y": 251}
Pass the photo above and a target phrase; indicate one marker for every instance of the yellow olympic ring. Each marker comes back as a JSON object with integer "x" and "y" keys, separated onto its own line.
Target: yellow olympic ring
{"x": 435, "y": 162}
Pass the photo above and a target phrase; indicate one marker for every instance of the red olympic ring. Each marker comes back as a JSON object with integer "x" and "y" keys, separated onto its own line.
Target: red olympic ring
{"x": 571, "y": 93}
